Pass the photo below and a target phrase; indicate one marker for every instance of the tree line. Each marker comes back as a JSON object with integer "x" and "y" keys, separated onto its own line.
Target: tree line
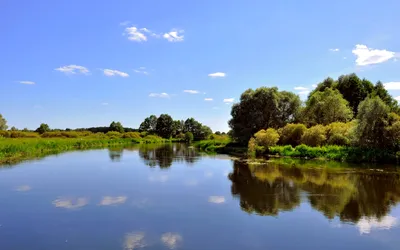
{"x": 346, "y": 111}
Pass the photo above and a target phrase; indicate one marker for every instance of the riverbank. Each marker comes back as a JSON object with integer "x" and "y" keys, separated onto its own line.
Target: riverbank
{"x": 17, "y": 149}
{"x": 329, "y": 152}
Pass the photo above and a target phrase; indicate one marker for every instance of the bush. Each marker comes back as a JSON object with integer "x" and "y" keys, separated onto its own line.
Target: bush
{"x": 339, "y": 133}
{"x": 188, "y": 137}
{"x": 19, "y": 134}
{"x": 314, "y": 136}
{"x": 291, "y": 134}
{"x": 252, "y": 146}
{"x": 266, "y": 138}
{"x": 131, "y": 135}
{"x": 113, "y": 134}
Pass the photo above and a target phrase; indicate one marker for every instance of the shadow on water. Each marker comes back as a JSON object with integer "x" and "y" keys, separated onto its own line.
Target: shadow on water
{"x": 350, "y": 194}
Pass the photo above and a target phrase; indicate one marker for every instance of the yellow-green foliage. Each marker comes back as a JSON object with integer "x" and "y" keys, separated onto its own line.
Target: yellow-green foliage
{"x": 132, "y": 135}
{"x": 252, "y": 146}
{"x": 340, "y": 133}
{"x": 113, "y": 134}
{"x": 266, "y": 138}
{"x": 314, "y": 136}
{"x": 291, "y": 134}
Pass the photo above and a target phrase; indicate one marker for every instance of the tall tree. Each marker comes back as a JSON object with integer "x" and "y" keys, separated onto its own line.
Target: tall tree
{"x": 164, "y": 126}
{"x": 260, "y": 109}
{"x": 43, "y": 128}
{"x": 373, "y": 115}
{"x": 380, "y": 91}
{"x": 3, "y": 123}
{"x": 178, "y": 127}
{"x": 116, "y": 126}
{"x": 149, "y": 124}
{"x": 326, "y": 107}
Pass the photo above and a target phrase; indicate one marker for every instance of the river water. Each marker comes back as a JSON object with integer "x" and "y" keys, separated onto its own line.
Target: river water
{"x": 171, "y": 197}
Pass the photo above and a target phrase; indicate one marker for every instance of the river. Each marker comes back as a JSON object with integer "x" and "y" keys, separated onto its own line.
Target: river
{"x": 172, "y": 197}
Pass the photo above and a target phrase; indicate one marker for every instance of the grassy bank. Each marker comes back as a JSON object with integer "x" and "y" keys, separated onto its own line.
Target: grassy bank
{"x": 332, "y": 152}
{"x": 17, "y": 149}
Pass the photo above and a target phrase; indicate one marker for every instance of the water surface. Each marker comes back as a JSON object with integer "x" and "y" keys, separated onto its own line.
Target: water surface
{"x": 171, "y": 197}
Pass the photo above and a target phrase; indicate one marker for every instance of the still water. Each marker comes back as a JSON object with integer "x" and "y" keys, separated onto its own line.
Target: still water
{"x": 171, "y": 197}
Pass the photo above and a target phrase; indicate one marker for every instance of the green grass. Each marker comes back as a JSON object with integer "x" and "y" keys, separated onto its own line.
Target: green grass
{"x": 211, "y": 146}
{"x": 16, "y": 149}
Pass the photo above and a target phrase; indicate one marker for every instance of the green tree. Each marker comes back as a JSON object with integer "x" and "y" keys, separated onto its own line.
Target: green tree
{"x": 13, "y": 128}
{"x": 353, "y": 89}
{"x": 116, "y": 126}
{"x": 327, "y": 83}
{"x": 195, "y": 127}
{"x": 380, "y": 91}
{"x": 373, "y": 115}
{"x": 266, "y": 138}
{"x": 149, "y": 124}
{"x": 164, "y": 127}
{"x": 291, "y": 134}
{"x": 178, "y": 127}
{"x": 260, "y": 109}
{"x": 205, "y": 132}
{"x": 189, "y": 137}
{"x": 314, "y": 136}
{"x": 3, "y": 123}
{"x": 326, "y": 107}
{"x": 43, "y": 128}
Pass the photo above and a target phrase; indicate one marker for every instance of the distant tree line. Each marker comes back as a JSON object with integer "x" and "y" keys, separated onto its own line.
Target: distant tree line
{"x": 346, "y": 111}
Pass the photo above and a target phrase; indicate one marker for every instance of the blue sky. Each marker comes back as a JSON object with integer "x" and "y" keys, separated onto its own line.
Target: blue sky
{"x": 87, "y": 63}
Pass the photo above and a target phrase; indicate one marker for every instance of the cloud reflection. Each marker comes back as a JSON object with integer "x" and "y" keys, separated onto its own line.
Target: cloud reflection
{"x": 160, "y": 178}
{"x": 109, "y": 200}
{"x": 216, "y": 199}
{"x": 171, "y": 240}
{"x": 23, "y": 188}
{"x": 134, "y": 240}
{"x": 365, "y": 224}
{"x": 69, "y": 203}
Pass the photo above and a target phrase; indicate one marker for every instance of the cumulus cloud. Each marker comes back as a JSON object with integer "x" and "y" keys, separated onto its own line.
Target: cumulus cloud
{"x": 151, "y": 33}
{"x": 191, "y": 91}
{"x": 334, "y": 50}
{"x": 365, "y": 224}
{"x": 216, "y": 199}
{"x": 171, "y": 240}
{"x": 109, "y": 200}
{"x": 229, "y": 100}
{"x": 136, "y": 35}
{"x": 113, "y": 72}
{"x": 161, "y": 95}
{"x": 73, "y": 69}
{"x": 141, "y": 70}
{"x": 174, "y": 36}
{"x": 208, "y": 99}
{"x": 314, "y": 85}
{"x": 217, "y": 74}
{"x": 70, "y": 203}
{"x": 366, "y": 56}
{"x": 134, "y": 240}
{"x": 392, "y": 85}
{"x": 26, "y": 82}
{"x": 300, "y": 88}
{"x": 304, "y": 92}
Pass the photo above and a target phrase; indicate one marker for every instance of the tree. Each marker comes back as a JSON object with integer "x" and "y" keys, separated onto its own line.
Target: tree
{"x": 13, "y": 128}
{"x": 116, "y": 126}
{"x": 195, "y": 127}
{"x": 314, "y": 136}
{"x": 353, "y": 89}
{"x": 327, "y": 83}
{"x": 291, "y": 134}
{"x": 260, "y": 109}
{"x": 205, "y": 132}
{"x": 164, "y": 127}
{"x": 43, "y": 128}
{"x": 326, "y": 107}
{"x": 380, "y": 91}
{"x": 3, "y": 123}
{"x": 372, "y": 119}
{"x": 266, "y": 138}
{"x": 178, "y": 127}
{"x": 188, "y": 137}
{"x": 149, "y": 124}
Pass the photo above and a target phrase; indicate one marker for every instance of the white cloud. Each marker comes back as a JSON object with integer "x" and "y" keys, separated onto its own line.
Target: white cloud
{"x": 191, "y": 91}
{"x": 300, "y": 88}
{"x": 365, "y": 224}
{"x": 134, "y": 240}
{"x": 113, "y": 72}
{"x": 70, "y": 203}
{"x": 141, "y": 70}
{"x": 162, "y": 95}
{"x": 171, "y": 240}
{"x": 109, "y": 200}
{"x": 397, "y": 98}
{"x": 174, "y": 36}
{"x": 367, "y": 56}
{"x": 314, "y": 85}
{"x": 392, "y": 85}
{"x": 73, "y": 69}
{"x": 229, "y": 100}
{"x": 23, "y": 188}
{"x": 124, "y": 23}
{"x": 136, "y": 35}
{"x": 208, "y": 99}
{"x": 304, "y": 92}
{"x": 26, "y": 82}
{"x": 217, "y": 74}
{"x": 334, "y": 50}
{"x": 216, "y": 199}
{"x": 151, "y": 33}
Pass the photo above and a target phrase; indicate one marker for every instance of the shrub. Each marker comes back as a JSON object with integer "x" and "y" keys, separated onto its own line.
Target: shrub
{"x": 314, "y": 136}
{"x": 266, "y": 138}
{"x": 252, "y": 146}
{"x": 19, "y": 134}
{"x": 113, "y": 134}
{"x": 291, "y": 134}
{"x": 131, "y": 135}
{"x": 189, "y": 137}
{"x": 339, "y": 133}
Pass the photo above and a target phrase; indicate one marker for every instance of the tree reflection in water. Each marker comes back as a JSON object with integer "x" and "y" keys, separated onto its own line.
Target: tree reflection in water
{"x": 350, "y": 194}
